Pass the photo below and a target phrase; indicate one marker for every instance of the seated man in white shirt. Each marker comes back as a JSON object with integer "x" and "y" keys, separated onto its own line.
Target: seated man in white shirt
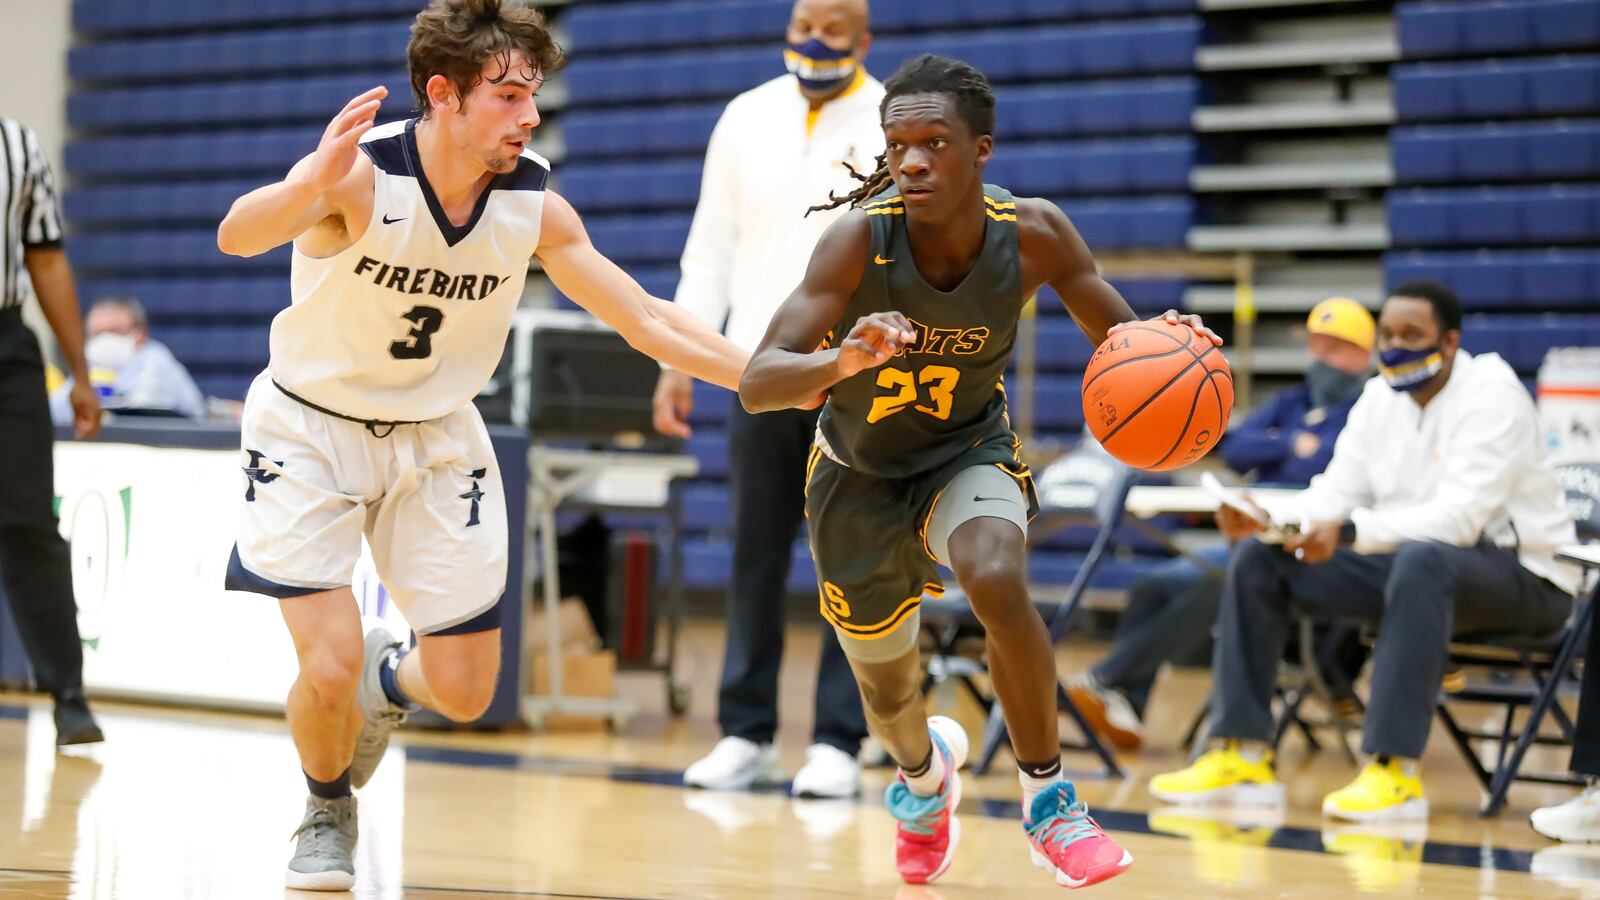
{"x": 129, "y": 370}
{"x": 1438, "y": 515}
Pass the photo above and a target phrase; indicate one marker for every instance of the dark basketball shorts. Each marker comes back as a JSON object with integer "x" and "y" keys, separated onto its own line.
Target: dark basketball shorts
{"x": 877, "y": 542}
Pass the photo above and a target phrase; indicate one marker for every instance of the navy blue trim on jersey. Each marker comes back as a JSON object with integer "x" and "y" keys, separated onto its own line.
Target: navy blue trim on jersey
{"x": 528, "y": 175}
{"x": 389, "y": 154}
{"x": 488, "y": 620}
{"x": 241, "y": 579}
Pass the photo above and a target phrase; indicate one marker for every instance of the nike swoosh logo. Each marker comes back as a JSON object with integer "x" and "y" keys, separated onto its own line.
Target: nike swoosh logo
{"x": 881, "y": 261}
{"x": 389, "y": 221}
{"x": 990, "y": 500}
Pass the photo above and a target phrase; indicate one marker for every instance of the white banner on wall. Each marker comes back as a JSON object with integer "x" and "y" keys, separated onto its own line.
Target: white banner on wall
{"x": 151, "y": 529}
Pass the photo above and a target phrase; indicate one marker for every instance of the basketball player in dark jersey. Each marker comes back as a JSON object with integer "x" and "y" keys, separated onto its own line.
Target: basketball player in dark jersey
{"x": 913, "y": 299}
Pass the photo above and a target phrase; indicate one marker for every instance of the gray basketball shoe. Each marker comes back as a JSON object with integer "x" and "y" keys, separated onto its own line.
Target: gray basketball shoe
{"x": 325, "y": 845}
{"x": 379, "y": 716}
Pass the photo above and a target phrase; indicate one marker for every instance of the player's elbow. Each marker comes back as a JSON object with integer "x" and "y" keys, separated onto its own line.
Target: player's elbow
{"x": 231, "y": 242}
{"x": 755, "y": 394}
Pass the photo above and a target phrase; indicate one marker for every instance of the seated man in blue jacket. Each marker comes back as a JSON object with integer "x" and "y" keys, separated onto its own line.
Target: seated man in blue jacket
{"x": 1286, "y": 441}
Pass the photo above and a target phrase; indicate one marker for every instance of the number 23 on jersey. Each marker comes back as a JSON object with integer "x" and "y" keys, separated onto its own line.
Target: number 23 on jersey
{"x": 905, "y": 389}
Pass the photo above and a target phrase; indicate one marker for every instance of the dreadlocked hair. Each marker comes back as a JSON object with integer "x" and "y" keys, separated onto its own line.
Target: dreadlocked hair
{"x": 929, "y": 73}
{"x": 872, "y": 184}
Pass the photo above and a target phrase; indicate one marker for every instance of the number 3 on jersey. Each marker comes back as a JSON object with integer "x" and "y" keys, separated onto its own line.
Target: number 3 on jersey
{"x": 941, "y": 384}
{"x": 419, "y": 340}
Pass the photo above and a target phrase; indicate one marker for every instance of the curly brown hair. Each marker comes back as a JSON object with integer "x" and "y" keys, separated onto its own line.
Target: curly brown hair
{"x": 455, "y": 38}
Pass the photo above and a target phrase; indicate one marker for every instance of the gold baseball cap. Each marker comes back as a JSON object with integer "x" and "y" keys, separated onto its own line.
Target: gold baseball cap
{"x": 1344, "y": 319}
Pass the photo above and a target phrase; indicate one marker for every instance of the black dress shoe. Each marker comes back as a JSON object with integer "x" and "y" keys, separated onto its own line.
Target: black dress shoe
{"x": 74, "y": 723}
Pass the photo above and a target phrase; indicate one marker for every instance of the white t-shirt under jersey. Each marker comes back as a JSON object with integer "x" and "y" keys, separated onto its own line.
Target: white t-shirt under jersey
{"x": 409, "y": 322}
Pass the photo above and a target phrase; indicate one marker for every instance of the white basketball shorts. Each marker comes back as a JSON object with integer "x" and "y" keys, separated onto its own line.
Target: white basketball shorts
{"x": 427, "y": 496}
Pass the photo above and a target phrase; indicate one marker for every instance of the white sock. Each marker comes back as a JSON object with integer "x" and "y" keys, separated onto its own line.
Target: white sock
{"x": 1033, "y": 786}
{"x": 928, "y": 783}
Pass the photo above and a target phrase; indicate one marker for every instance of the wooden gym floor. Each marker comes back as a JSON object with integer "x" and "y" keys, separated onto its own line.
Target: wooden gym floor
{"x": 184, "y": 804}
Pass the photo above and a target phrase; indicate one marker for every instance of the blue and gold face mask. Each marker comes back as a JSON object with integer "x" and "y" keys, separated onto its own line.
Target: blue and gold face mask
{"x": 819, "y": 67}
{"x": 1407, "y": 370}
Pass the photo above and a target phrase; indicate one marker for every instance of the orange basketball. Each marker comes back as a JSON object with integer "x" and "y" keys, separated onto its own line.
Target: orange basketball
{"x": 1157, "y": 396}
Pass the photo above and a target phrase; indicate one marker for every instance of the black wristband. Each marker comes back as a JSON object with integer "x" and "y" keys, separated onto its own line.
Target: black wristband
{"x": 1347, "y": 532}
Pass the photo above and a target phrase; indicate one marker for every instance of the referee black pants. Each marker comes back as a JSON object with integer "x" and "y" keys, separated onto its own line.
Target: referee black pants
{"x": 1586, "y": 738}
{"x": 34, "y": 562}
{"x": 767, "y": 464}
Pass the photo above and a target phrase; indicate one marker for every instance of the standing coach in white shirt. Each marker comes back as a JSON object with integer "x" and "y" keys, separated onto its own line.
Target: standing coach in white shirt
{"x": 778, "y": 149}
{"x": 1438, "y": 515}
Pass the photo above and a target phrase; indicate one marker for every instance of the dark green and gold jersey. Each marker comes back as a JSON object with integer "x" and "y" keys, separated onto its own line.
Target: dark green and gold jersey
{"x": 943, "y": 395}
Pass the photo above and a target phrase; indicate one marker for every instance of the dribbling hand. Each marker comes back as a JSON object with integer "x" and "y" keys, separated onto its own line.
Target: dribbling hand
{"x": 1176, "y": 318}
{"x": 336, "y": 152}
{"x": 874, "y": 340}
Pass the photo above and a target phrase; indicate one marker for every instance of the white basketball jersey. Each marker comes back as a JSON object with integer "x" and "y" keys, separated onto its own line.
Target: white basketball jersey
{"x": 409, "y": 322}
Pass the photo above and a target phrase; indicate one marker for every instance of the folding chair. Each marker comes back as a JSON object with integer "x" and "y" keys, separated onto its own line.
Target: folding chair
{"x": 1313, "y": 671}
{"x": 1547, "y": 660}
{"x": 1086, "y": 487}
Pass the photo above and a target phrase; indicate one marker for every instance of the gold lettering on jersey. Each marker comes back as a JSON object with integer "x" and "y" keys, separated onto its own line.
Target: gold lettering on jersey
{"x": 432, "y": 282}
{"x": 931, "y": 341}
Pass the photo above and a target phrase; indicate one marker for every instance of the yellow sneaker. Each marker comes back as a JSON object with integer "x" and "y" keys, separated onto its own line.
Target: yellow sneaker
{"x": 1222, "y": 775}
{"x": 1381, "y": 793}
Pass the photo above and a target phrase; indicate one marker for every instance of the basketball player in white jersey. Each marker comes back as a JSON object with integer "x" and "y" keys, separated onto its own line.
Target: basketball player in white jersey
{"x": 411, "y": 244}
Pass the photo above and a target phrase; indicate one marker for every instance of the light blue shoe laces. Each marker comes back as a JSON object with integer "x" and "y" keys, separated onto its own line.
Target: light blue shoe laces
{"x": 918, "y": 814}
{"x": 1060, "y": 819}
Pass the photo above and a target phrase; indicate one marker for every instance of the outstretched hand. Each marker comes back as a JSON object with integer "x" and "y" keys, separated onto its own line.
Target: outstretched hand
{"x": 336, "y": 152}
{"x": 874, "y": 340}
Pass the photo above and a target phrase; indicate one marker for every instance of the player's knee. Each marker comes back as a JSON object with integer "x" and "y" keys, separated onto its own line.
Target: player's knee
{"x": 464, "y": 702}
{"x": 994, "y": 586}
{"x": 1422, "y": 572}
{"x": 333, "y": 672}
{"x": 461, "y": 693}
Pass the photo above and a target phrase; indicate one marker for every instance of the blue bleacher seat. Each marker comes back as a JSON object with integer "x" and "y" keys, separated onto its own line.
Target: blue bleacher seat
{"x": 1494, "y": 216}
{"x": 633, "y": 26}
{"x": 269, "y": 152}
{"x": 638, "y": 132}
{"x": 640, "y": 239}
{"x": 275, "y": 101}
{"x": 116, "y": 17}
{"x": 1523, "y": 340}
{"x": 1058, "y": 402}
{"x": 706, "y": 507}
{"x": 1478, "y": 28}
{"x": 1099, "y": 167}
{"x": 1056, "y": 110}
{"x": 707, "y": 563}
{"x": 1062, "y": 346}
{"x": 178, "y": 253}
{"x": 1163, "y": 45}
{"x": 711, "y": 404}
{"x": 322, "y": 49}
{"x": 630, "y": 186}
{"x": 230, "y": 347}
{"x": 1145, "y": 222}
{"x": 1505, "y": 279}
{"x": 1496, "y": 152}
{"x": 710, "y": 447}
{"x": 192, "y": 300}
{"x": 170, "y": 204}
{"x": 1564, "y": 85}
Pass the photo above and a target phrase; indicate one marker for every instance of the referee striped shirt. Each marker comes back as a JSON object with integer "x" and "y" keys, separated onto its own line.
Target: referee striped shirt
{"x": 29, "y": 216}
